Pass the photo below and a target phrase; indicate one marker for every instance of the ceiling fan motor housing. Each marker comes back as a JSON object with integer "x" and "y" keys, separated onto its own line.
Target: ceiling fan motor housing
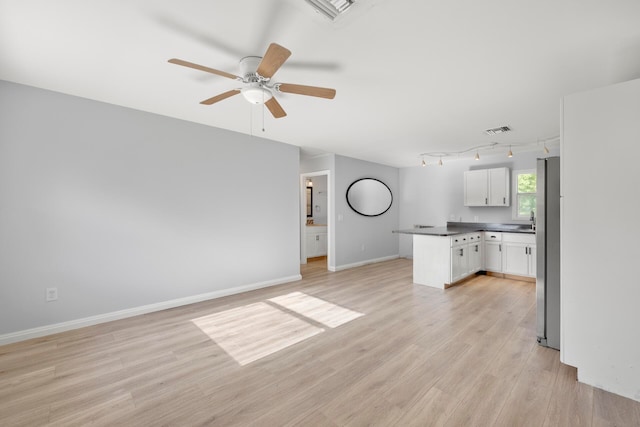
{"x": 255, "y": 92}
{"x": 248, "y": 67}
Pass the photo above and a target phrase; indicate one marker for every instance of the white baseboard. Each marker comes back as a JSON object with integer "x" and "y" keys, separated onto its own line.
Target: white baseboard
{"x": 135, "y": 311}
{"x": 361, "y": 263}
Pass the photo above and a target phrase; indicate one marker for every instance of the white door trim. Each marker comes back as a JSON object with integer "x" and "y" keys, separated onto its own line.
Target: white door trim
{"x": 303, "y": 216}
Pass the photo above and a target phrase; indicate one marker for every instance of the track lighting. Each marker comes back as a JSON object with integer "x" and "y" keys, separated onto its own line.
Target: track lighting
{"x": 492, "y": 145}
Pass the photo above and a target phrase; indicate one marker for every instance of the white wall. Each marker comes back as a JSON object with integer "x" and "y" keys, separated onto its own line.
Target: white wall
{"x": 600, "y": 289}
{"x": 433, "y": 195}
{"x": 354, "y": 230}
{"x": 119, "y": 208}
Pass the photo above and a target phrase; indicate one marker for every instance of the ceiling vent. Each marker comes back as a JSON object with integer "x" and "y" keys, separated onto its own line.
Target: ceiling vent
{"x": 331, "y": 8}
{"x": 495, "y": 131}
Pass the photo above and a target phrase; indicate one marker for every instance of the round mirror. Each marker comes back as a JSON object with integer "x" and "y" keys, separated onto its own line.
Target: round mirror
{"x": 369, "y": 197}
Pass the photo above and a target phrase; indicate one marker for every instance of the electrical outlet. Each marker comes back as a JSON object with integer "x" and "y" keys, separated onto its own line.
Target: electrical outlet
{"x": 51, "y": 294}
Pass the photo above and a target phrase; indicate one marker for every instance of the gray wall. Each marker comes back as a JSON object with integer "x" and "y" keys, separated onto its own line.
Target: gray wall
{"x": 119, "y": 208}
{"x": 433, "y": 195}
{"x": 354, "y": 230}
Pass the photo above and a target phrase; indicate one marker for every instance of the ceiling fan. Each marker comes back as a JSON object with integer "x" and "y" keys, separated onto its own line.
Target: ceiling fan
{"x": 255, "y": 74}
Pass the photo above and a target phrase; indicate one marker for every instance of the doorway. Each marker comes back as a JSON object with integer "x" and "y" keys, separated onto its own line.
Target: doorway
{"x": 316, "y": 219}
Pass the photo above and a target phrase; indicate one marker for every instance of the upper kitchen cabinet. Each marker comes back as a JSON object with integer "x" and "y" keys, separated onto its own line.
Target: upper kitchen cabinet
{"x": 487, "y": 187}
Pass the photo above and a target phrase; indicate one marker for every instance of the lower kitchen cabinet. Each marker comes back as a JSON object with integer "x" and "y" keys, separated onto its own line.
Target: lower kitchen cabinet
{"x": 439, "y": 261}
{"x": 459, "y": 263}
{"x": 519, "y": 254}
{"x": 475, "y": 252}
{"x": 493, "y": 252}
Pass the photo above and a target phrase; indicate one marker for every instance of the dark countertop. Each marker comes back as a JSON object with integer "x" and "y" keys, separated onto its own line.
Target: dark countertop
{"x": 436, "y": 231}
{"x": 455, "y": 228}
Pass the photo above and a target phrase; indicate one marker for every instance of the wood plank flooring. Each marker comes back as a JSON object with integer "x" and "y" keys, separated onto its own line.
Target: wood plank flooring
{"x": 418, "y": 356}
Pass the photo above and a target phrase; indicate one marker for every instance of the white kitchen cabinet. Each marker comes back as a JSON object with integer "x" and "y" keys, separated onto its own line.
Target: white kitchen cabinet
{"x": 459, "y": 263}
{"x": 493, "y": 252}
{"x": 487, "y": 187}
{"x": 516, "y": 259}
{"x": 316, "y": 241}
{"x": 519, "y": 254}
{"x": 476, "y": 188}
{"x": 466, "y": 255}
{"x": 532, "y": 260}
{"x": 475, "y": 251}
{"x": 499, "y": 187}
{"x": 439, "y": 261}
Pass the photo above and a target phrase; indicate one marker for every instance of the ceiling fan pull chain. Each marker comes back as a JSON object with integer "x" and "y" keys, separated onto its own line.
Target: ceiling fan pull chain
{"x": 262, "y": 111}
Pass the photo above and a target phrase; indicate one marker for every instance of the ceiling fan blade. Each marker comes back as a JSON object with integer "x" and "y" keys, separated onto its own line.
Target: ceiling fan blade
{"x": 273, "y": 60}
{"x": 320, "y": 92}
{"x": 203, "y": 68}
{"x": 275, "y": 108}
{"x": 220, "y": 97}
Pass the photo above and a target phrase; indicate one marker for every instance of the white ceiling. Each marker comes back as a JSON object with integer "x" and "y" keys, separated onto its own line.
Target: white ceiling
{"x": 411, "y": 76}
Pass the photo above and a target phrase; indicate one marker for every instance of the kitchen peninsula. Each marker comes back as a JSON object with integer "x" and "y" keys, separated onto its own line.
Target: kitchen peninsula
{"x": 444, "y": 256}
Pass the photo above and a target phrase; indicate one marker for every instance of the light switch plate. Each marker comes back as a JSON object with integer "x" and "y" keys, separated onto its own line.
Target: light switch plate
{"x": 51, "y": 294}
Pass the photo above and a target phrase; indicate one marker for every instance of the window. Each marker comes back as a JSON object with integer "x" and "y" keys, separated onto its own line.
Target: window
{"x": 524, "y": 184}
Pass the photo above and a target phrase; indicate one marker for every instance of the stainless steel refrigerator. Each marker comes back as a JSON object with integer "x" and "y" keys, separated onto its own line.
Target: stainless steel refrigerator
{"x": 548, "y": 252}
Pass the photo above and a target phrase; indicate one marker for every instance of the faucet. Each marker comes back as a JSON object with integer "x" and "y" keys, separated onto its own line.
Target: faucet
{"x": 532, "y": 218}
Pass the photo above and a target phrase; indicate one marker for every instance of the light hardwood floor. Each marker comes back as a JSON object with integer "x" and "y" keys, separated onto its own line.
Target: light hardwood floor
{"x": 402, "y": 354}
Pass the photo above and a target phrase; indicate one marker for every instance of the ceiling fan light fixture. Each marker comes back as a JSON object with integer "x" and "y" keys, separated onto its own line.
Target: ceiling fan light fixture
{"x": 256, "y": 94}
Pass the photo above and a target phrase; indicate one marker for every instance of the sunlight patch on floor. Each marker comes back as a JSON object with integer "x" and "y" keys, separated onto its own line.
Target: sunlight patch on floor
{"x": 253, "y": 331}
{"x": 321, "y": 311}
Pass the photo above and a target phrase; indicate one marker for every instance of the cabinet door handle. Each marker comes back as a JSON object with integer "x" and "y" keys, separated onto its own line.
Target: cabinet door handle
{"x": 499, "y": 248}
{"x": 461, "y": 252}
{"x": 526, "y": 251}
{"x": 476, "y": 248}
{"x": 486, "y": 201}
{"x": 504, "y": 200}
{"x": 317, "y": 237}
